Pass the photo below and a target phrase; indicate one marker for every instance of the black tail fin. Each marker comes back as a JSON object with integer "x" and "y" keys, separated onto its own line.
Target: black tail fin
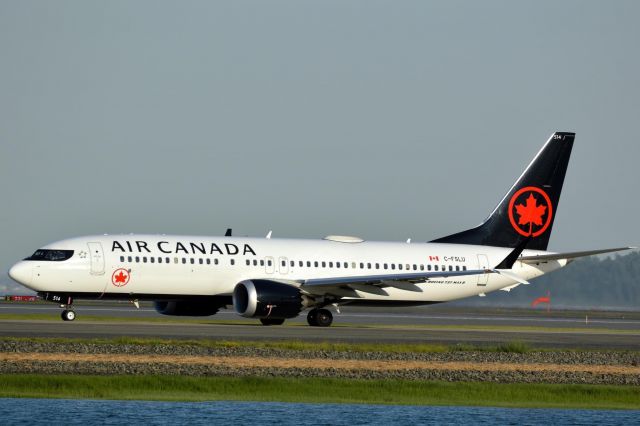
{"x": 528, "y": 209}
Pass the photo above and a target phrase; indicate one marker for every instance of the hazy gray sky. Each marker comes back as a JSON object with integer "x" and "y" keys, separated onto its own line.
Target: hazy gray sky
{"x": 382, "y": 119}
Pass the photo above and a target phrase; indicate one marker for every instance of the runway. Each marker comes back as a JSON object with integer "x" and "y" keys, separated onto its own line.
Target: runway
{"x": 442, "y": 324}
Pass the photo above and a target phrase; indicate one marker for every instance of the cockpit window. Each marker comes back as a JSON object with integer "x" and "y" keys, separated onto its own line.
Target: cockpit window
{"x": 51, "y": 255}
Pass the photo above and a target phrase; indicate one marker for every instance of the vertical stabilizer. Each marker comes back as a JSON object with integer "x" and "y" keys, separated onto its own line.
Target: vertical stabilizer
{"x": 528, "y": 209}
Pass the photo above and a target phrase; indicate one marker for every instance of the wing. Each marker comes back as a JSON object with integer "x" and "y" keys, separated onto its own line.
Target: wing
{"x": 375, "y": 284}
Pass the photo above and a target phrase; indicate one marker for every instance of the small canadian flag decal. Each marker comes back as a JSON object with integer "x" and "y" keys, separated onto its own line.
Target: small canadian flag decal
{"x": 434, "y": 258}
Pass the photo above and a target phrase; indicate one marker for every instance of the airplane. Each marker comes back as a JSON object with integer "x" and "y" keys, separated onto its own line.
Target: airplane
{"x": 273, "y": 279}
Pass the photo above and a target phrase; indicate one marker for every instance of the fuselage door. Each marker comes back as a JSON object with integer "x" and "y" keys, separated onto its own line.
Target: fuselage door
{"x": 269, "y": 265}
{"x": 283, "y": 265}
{"x": 97, "y": 258}
{"x": 483, "y": 263}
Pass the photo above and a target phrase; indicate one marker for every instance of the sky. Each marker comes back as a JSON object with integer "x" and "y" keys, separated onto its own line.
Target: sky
{"x": 386, "y": 120}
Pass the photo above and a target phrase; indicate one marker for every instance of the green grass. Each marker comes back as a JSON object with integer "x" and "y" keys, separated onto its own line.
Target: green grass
{"x": 319, "y": 390}
{"x": 182, "y": 320}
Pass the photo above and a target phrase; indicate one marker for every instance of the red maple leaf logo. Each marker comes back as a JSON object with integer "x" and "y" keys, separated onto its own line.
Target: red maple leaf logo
{"x": 530, "y": 213}
{"x": 121, "y": 277}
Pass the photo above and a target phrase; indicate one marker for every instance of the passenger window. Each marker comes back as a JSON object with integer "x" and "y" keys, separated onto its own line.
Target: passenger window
{"x": 262, "y": 263}
{"x": 270, "y": 263}
{"x": 315, "y": 264}
{"x": 308, "y": 264}
{"x": 330, "y": 264}
{"x": 121, "y": 258}
{"x": 137, "y": 259}
{"x": 435, "y": 268}
{"x": 233, "y": 262}
{"x": 255, "y": 262}
{"x": 192, "y": 260}
{"x": 152, "y": 259}
{"x": 464, "y": 268}
{"x": 300, "y": 263}
{"x": 184, "y": 260}
{"x": 129, "y": 259}
{"x": 175, "y": 260}
{"x": 337, "y": 264}
{"x": 415, "y": 267}
{"x": 422, "y": 267}
{"x": 393, "y": 266}
{"x": 368, "y": 265}
{"x": 400, "y": 266}
{"x": 361, "y": 265}
{"x": 159, "y": 260}
{"x": 385, "y": 266}
{"x": 377, "y": 266}
{"x": 283, "y": 263}
{"x": 457, "y": 268}
{"x": 324, "y": 264}
{"x": 201, "y": 261}
{"x": 450, "y": 268}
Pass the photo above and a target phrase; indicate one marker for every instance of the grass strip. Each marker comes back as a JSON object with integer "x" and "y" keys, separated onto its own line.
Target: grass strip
{"x": 319, "y": 390}
{"x": 452, "y": 327}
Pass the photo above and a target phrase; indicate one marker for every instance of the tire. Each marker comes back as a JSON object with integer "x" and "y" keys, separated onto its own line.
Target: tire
{"x": 311, "y": 318}
{"x": 324, "y": 318}
{"x": 272, "y": 321}
{"x": 68, "y": 315}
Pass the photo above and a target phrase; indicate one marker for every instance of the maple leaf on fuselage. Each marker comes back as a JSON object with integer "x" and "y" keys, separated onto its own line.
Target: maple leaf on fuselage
{"x": 531, "y": 213}
{"x": 120, "y": 278}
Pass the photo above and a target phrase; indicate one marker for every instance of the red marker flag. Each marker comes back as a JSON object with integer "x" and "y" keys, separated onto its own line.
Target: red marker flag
{"x": 543, "y": 299}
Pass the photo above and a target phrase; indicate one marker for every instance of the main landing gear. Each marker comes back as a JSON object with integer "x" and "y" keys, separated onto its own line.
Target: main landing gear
{"x": 320, "y": 317}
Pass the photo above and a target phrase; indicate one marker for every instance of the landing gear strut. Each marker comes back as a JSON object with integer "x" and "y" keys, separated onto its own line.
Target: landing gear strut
{"x": 320, "y": 317}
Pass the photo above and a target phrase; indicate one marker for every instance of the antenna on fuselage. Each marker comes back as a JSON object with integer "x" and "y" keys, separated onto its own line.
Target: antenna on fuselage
{"x": 268, "y": 237}
{"x": 228, "y": 233}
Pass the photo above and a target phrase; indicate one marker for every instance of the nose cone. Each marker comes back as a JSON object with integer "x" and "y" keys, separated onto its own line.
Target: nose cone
{"x": 21, "y": 272}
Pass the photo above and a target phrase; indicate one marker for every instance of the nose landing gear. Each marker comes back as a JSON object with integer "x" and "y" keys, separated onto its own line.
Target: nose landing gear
{"x": 68, "y": 314}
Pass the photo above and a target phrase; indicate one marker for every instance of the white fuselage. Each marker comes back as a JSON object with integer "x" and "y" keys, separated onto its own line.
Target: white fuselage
{"x": 158, "y": 266}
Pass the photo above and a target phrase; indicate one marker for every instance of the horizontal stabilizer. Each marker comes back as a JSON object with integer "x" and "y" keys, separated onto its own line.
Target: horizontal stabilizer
{"x": 569, "y": 255}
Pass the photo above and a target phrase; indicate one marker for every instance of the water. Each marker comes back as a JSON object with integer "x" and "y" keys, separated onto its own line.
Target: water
{"x": 90, "y": 412}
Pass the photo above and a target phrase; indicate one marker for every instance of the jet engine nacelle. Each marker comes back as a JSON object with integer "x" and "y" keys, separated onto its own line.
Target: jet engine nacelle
{"x": 267, "y": 299}
{"x": 190, "y": 308}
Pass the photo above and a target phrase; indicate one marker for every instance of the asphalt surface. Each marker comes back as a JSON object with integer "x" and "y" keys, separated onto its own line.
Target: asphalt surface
{"x": 435, "y": 324}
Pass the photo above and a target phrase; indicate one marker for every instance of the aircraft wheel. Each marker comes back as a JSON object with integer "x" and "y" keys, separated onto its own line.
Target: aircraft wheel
{"x": 324, "y": 318}
{"x": 311, "y": 318}
{"x": 68, "y": 315}
{"x": 272, "y": 321}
